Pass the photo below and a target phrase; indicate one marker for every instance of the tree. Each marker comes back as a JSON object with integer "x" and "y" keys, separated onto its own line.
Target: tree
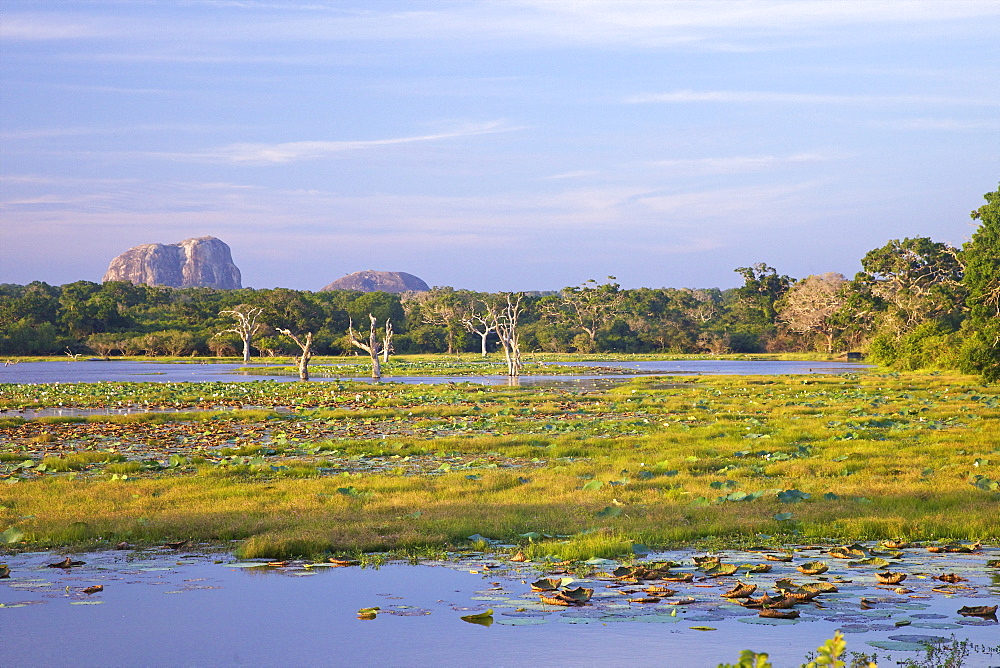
{"x": 811, "y": 306}
{"x": 306, "y": 346}
{"x": 247, "y": 325}
{"x": 504, "y": 318}
{"x": 479, "y": 322}
{"x": 444, "y": 308}
{"x": 387, "y": 342}
{"x": 104, "y": 343}
{"x": 754, "y": 310}
{"x": 220, "y": 344}
{"x": 373, "y": 346}
{"x": 912, "y": 281}
{"x": 588, "y": 307}
{"x": 981, "y": 256}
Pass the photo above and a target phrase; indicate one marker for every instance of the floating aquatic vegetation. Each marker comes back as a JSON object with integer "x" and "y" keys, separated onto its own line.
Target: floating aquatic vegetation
{"x": 978, "y": 611}
{"x": 813, "y": 568}
{"x": 890, "y": 577}
{"x": 740, "y": 590}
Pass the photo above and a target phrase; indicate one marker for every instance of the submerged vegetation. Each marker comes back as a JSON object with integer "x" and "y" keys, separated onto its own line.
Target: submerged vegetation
{"x": 292, "y": 469}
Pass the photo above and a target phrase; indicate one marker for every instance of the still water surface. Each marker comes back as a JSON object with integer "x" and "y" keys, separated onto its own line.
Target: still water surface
{"x": 92, "y": 371}
{"x": 160, "y": 608}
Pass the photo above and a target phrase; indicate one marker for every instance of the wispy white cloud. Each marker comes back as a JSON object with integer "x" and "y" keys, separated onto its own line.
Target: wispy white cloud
{"x": 285, "y": 152}
{"x": 768, "y": 97}
{"x": 576, "y": 174}
{"x": 942, "y": 124}
{"x": 85, "y": 130}
{"x": 729, "y": 24}
{"x": 738, "y": 164}
{"x": 51, "y": 26}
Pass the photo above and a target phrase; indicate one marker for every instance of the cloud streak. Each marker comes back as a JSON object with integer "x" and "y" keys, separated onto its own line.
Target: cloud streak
{"x": 770, "y": 97}
{"x": 287, "y": 152}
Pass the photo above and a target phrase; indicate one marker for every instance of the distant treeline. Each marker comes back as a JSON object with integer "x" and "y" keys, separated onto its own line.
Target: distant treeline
{"x": 916, "y": 303}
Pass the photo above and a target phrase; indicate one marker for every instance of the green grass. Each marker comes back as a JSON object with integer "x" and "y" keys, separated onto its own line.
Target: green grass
{"x": 568, "y": 474}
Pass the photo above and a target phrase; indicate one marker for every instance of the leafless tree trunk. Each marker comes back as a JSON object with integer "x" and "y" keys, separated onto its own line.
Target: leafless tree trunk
{"x": 246, "y": 326}
{"x": 505, "y": 322}
{"x": 481, "y": 325}
{"x": 387, "y": 341}
{"x": 306, "y": 347}
{"x": 372, "y": 346}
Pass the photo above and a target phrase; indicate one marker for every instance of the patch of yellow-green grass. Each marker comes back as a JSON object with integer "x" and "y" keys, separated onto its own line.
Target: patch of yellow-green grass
{"x": 78, "y": 461}
{"x": 821, "y": 458}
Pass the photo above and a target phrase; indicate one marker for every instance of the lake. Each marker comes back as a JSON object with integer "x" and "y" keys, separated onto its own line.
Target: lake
{"x": 165, "y": 608}
{"x": 92, "y": 371}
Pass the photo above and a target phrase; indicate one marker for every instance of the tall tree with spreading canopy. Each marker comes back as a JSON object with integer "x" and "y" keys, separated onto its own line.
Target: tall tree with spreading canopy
{"x": 981, "y": 256}
{"x": 912, "y": 281}
{"x": 812, "y": 304}
{"x": 587, "y": 307}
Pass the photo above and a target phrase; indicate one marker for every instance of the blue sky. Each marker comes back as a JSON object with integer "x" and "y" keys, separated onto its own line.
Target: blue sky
{"x": 516, "y": 145}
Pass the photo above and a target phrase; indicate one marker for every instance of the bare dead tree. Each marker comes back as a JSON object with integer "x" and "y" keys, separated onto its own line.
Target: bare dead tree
{"x": 306, "y": 355}
{"x": 505, "y": 322}
{"x": 246, "y": 325}
{"x": 372, "y": 346}
{"x": 481, "y": 324}
{"x": 387, "y": 341}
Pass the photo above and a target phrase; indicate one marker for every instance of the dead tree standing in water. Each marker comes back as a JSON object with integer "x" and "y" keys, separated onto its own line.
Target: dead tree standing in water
{"x": 246, "y": 326}
{"x": 306, "y": 347}
{"x": 373, "y": 346}
{"x": 505, "y": 322}
{"x": 387, "y": 341}
{"x": 480, "y": 324}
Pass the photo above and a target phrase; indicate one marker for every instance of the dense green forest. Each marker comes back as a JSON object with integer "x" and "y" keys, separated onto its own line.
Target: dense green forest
{"x": 916, "y": 303}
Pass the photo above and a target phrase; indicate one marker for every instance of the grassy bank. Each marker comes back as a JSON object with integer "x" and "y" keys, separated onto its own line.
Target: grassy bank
{"x": 564, "y": 472}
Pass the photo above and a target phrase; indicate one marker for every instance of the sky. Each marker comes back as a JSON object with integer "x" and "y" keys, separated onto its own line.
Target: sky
{"x": 514, "y": 145}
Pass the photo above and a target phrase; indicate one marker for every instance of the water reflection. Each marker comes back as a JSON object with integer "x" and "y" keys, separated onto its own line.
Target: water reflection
{"x": 93, "y": 371}
{"x": 161, "y": 608}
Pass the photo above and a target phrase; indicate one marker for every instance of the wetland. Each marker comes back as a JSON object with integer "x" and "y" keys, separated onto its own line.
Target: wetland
{"x": 579, "y": 479}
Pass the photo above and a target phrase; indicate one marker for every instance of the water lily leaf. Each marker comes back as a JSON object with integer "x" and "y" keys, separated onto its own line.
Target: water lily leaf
{"x": 598, "y": 561}
{"x": 703, "y": 628}
{"x": 923, "y": 639}
{"x": 813, "y": 568}
{"x": 717, "y": 570}
{"x": 546, "y": 584}
{"x": 609, "y": 511}
{"x": 246, "y": 564}
{"x": 979, "y": 610}
{"x": 793, "y": 496}
{"x": 870, "y": 561}
{"x": 781, "y": 517}
{"x": 593, "y": 486}
{"x": 11, "y": 535}
{"x": 484, "y": 618}
{"x": 578, "y": 594}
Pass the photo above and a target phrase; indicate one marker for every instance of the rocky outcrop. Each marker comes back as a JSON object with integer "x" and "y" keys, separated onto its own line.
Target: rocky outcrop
{"x": 204, "y": 262}
{"x": 374, "y": 281}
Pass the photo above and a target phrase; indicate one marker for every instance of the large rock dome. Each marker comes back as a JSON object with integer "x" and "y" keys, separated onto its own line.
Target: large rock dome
{"x": 376, "y": 281}
{"x": 202, "y": 262}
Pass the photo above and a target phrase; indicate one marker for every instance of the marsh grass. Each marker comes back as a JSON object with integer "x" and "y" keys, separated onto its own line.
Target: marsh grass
{"x": 565, "y": 474}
